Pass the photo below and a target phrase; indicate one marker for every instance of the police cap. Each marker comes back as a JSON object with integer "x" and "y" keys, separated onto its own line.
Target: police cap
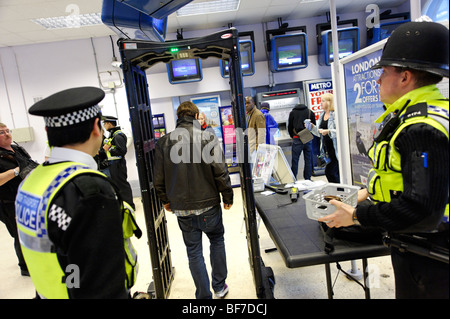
{"x": 418, "y": 45}
{"x": 108, "y": 118}
{"x": 69, "y": 107}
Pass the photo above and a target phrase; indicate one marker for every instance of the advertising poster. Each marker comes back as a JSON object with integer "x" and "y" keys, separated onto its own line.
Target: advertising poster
{"x": 363, "y": 108}
{"x": 228, "y": 134}
{"x": 313, "y": 91}
{"x": 209, "y": 105}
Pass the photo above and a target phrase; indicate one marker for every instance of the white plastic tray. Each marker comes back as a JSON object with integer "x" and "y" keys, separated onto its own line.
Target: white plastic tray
{"x": 317, "y": 206}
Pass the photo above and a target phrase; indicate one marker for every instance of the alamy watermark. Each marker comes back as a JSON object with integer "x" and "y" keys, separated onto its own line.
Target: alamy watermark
{"x": 203, "y": 146}
{"x": 72, "y": 278}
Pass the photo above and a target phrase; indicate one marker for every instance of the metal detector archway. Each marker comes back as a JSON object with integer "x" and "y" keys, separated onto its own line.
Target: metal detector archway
{"x": 137, "y": 56}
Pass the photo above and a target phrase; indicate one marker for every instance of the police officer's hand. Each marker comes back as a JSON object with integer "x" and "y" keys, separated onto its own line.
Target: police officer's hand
{"x": 342, "y": 216}
{"x": 227, "y": 206}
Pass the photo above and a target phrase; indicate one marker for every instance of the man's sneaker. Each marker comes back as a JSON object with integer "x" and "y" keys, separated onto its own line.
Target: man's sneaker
{"x": 222, "y": 293}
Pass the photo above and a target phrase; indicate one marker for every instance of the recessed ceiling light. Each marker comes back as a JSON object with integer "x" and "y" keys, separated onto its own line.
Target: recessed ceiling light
{"x": 208, "y": 6}
{"x": 70, "y": 21}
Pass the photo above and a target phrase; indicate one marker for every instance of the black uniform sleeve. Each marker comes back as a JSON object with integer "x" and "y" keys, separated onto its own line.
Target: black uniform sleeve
{"x": 88, "y": 234}
{"x": 120, "y": 143}
{"x": 424, "y": 164}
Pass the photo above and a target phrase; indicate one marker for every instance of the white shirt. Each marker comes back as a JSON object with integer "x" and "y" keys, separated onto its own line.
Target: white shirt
{"x": 61, "y": 154}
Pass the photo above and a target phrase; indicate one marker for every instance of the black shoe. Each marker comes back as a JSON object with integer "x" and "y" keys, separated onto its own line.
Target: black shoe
{"x": 24, "y": 272}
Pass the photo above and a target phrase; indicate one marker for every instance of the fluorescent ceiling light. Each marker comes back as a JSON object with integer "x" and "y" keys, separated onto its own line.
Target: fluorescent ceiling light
{"x": 70, "y": 21}
{"x": 208, "y": 6}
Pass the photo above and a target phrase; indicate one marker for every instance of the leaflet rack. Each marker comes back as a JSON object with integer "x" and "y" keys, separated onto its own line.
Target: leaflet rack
{"x": 137, "y": 56}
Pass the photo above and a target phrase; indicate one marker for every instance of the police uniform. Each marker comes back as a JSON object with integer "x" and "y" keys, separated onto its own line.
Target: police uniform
{"x": 409, "y": 181}
{"x": 113, "y": 163}
{"x": 71, "y": 223}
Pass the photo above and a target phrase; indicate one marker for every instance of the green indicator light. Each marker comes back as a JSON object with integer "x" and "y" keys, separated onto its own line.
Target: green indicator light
{"x": 173, "y": 50}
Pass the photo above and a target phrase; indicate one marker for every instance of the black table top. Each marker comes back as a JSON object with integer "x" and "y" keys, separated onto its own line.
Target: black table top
{"x": 300, "y": 240}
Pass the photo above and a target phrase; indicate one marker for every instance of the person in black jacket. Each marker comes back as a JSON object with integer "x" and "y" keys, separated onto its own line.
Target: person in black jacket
{"x": 190, "y": 175}
{"x": 15, "y": 164}
{"x": 296, "y": 123}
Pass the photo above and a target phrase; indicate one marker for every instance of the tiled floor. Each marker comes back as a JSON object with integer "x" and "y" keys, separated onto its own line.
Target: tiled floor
{"x": 299, "y": 283}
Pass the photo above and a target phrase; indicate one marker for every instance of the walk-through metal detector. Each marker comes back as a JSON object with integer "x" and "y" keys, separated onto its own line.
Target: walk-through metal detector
{"x": 138, "y": 56}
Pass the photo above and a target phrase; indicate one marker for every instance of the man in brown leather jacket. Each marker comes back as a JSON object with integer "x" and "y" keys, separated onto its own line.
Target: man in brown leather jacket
{"x": 190, "y": 175}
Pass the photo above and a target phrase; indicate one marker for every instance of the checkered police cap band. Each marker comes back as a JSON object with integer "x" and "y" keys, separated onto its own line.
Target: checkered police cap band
{"x": 73, "y": 117}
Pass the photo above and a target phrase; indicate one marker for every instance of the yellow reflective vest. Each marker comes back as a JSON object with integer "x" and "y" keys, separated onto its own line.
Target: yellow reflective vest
{"x": 108, "y": 141}
{"x": 385, "y": 178}
{"x": 33, "y": 201}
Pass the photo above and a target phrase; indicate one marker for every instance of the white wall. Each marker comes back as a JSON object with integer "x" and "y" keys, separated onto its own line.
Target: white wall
{"x": 29, "y": 72}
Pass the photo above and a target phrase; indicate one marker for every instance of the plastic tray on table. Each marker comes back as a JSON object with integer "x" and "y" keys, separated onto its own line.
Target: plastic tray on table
{"x": 318, "y": 206}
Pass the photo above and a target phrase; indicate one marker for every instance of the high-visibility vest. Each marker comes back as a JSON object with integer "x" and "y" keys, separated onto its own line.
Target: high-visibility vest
{"x": 108, "y": 141}
{"x": 385, "y": 179}
{"x": 33, "y": 202}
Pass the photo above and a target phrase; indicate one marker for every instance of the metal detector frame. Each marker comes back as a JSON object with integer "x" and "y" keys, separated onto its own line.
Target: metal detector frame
{"x": 137, "y": 56}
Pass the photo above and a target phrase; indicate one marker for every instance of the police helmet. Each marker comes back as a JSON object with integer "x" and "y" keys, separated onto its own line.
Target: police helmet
{"x": 418, "y": 45}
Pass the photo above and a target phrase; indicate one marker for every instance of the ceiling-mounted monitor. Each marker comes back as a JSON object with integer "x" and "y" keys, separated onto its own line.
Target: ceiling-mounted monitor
{"x": 184, "y": 70}
{"x": 247, "y": 60}
{"x": 156, "y": 9}
{"x": 348, "y": 39}
{"x": 132, "y": 24}
{"x": 289, "y": 52}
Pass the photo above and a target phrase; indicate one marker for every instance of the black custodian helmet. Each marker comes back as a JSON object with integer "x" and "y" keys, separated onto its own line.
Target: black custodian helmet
{"x": 418, "y": 45}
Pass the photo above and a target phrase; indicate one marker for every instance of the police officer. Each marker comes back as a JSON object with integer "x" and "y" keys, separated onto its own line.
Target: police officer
{"x": 69, "y": 217}
{"x": 112, "y": 158}
{"x": 409, "y": 181}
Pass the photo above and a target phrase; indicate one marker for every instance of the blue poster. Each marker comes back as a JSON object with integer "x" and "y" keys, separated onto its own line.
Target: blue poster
{"x": 363, "y": 108}
{"x": 209, "y": 106}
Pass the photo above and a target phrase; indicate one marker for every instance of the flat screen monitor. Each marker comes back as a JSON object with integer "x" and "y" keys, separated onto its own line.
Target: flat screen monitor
{"x": 154, "y": 29}
{"x": 387, "y": 28}
{"x": 348, "y": 43}
{"x": 184, "y": 70}
{"x": 247, "y": 60}
{"x": 289, "y": 52}
{"x": 131, "y": 23}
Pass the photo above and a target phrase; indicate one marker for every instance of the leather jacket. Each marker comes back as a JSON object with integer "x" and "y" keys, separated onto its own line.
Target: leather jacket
{"x": 190, "y": 170}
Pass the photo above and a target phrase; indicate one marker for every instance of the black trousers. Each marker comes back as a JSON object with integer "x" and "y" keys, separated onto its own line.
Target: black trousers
{"x": 419, "y": 277}
{"x": 8, "y": 217}
{"x": 117, "y": 171}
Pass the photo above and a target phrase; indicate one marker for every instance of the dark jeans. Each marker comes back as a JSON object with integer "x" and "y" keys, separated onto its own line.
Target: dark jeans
{"x": 297, "y": 148}
{"x": 8, "y": 216}
{"x": 192, "y": 227}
